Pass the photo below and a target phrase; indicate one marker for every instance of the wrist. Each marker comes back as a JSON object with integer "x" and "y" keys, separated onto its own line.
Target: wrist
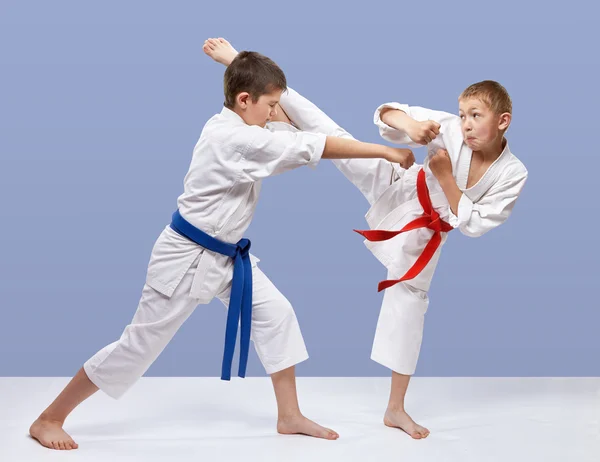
{"x": 412, "y": 123}
{"x": 386, "y": 153}
{"x": 446, "y": 179}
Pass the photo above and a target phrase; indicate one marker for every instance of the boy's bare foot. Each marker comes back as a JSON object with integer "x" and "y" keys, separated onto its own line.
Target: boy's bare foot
{"x": 51, "y": 434}
{"x": 220, "y": 50}
{"x": 298, "y": 424}
{"x": 400, "y": 419}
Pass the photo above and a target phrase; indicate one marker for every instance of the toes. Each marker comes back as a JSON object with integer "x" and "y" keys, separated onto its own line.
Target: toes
{"x": 332, "y": 433}
{"x": 61, "y": 445}
{"x": 55, "y": 445}
{"x": 325, "y": 434}
{"x": 423, "y": 432}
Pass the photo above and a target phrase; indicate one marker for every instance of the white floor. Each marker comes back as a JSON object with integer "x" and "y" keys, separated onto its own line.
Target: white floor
{"x": 204, "y": 419}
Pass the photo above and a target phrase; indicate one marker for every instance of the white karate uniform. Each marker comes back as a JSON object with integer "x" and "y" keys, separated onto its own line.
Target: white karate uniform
{"x": 392, "y": 193}
{"x": 221, "y": 191}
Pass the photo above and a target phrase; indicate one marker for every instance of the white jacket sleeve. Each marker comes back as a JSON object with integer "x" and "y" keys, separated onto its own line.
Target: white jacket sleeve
{"x": 270, "y": 153}
{"x": 493, "y": 209}
{"x": 417, "y": 113}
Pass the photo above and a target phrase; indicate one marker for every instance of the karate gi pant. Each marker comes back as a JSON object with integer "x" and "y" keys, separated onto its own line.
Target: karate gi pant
{"x": 275, "y": 332}
{"x": 399, "y": 331}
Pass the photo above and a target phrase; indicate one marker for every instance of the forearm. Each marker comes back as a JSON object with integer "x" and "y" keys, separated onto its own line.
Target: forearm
{"x": 342, "y": 148}
{"x": 452, "y": 192}
{"x": 397, "y": 119}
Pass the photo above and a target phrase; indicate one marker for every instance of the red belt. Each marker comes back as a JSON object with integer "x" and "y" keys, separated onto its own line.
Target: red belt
{"x": 430, "y": 219}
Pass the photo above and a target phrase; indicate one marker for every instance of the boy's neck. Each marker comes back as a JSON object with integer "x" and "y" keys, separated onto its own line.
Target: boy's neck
{"x": 491, "y": 153}
{"x": 239, "y": 112}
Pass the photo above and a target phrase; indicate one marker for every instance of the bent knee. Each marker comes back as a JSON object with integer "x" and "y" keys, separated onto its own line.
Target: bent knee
{"x": 278, "y": 319}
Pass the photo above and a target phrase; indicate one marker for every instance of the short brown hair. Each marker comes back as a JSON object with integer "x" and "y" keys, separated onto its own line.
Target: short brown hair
{"x": 491, "y": 93}
{"x": 253, "y": 73}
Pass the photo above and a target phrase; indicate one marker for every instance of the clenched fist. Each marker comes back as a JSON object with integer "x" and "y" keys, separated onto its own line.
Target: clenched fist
{"x": 440, "y": 164}
{"x": 402, "y": 156}
{"x": 423, "y": 132}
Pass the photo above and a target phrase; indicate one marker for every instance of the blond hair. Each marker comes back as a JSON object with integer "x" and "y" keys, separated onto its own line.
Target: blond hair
{"x": 491, "y": 93}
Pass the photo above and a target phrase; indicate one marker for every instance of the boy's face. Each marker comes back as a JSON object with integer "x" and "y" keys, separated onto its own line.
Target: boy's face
{"x": 261, "y": 111}
{"x": 481, "y": 127}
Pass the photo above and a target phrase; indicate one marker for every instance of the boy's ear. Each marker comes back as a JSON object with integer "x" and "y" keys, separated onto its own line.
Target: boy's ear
{"x": 504, "y": 120}
{"x": 243, "y": 99}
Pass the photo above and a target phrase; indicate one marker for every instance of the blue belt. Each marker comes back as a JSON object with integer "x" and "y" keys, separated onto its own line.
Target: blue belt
{"x": 240, "y": 302}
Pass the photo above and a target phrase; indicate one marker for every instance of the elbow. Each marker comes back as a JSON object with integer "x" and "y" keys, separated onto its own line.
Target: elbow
{"x": 339, "y": 132}
{"x": 472, "y": 232}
